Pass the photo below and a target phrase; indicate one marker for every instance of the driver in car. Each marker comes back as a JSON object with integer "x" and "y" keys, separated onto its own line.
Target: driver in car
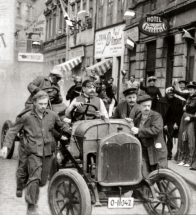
{"x": 88, "y": 96}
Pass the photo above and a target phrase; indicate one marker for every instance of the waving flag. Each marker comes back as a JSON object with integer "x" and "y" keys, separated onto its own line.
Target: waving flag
{"x": 65, "y": 15}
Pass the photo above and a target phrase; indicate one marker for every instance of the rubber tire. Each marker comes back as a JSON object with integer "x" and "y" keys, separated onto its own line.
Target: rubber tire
{"x": 7, "y": 124}
{"x": 81, "y": 185}
{"x": 181, "y": 183}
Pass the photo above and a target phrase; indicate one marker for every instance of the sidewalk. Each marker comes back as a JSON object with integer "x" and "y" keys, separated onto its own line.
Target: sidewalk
{"x": 185, "y": 172}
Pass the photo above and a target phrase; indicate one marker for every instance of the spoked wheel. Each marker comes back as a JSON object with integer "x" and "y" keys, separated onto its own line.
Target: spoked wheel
{"x": 68, "y": 194}
{"x": 7, "y": 124}
{"x": 172, "y": 192}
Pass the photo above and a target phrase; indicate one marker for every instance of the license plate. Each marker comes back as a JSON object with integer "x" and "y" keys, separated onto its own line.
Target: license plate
{"x": 124, "y": 202}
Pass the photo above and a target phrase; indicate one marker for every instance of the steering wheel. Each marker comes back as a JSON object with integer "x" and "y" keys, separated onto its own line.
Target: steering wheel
{"x": 80, "y": 113}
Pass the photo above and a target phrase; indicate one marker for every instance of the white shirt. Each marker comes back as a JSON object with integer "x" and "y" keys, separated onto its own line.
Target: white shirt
{"x": 102, "y": 110}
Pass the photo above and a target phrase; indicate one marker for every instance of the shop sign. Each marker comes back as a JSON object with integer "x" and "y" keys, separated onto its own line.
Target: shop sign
{"x": 76, "y": 52}
{"x": 30, "y": 57}
{"x": 36, "y": 28}
{"x": 153, "y": 25}
{"x": 109, "y": 42}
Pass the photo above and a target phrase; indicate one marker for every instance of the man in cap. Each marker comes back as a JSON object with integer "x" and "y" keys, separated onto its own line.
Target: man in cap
{"x": 128, "y": 108}
{"x": 171, "y": 110}
{"x": 75, "y": 90}
{"x": 149, "y": 129}
{"x": 151, "y": 90}
{"x": 45, "y": 82}
{"x": 88, "y": 96}
{"x": 50, "y": 85}
{"x": 38, "y": 125}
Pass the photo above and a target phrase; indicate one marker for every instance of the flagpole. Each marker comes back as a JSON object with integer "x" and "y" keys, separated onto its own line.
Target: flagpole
{"x": 67, "y": 32}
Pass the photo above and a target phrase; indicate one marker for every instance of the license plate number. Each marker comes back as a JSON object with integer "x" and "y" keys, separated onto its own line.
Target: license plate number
{"x": 124, "y": 202}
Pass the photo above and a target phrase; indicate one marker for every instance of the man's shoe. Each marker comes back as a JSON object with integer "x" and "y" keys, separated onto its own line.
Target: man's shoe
{"x": 186, "y": 165}
{"x": 32, "y": 210}
{"x": 19, "y": 193}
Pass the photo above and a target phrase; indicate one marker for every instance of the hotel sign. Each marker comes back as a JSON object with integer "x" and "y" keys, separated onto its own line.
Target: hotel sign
{"x": 153, "y": 25}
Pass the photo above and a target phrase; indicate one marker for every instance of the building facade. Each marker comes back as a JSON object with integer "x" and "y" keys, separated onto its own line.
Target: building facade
{"x": 170, "y": 55}
{"x": 109, "y": 39}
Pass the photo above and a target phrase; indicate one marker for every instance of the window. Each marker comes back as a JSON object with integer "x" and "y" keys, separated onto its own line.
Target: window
{"x": 19, "y": 9}
{"x": 78, "y": 7}
{"x": 151, "y": 58}
{"x": 84, "y": 4}
{"x": 132, "y": 62}
{"x": 91, "y": 8}
{"x": 54, "y": 26}
{"x": 154, "y": 4}
{"x": 50, "y": 28}
{"x": 120, "y": 10}
{"x": 109, "y": 12}
{"x": 60, "y": 22}
{"x": 47, "y": 29}
{"x": 100, "y": 14}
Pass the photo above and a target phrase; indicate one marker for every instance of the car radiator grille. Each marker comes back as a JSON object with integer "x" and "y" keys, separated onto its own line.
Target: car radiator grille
{"x": 120, "y": 163}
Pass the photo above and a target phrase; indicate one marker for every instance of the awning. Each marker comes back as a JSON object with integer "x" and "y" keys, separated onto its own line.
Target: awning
{"x": 70, "y": 64}
{"x": 101, "y": 67}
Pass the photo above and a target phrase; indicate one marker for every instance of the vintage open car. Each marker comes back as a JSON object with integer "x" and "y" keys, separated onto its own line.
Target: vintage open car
{"x": 104, "y": 167}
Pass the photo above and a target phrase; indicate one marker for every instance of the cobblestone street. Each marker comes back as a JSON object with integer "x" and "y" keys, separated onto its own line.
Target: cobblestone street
{"x": 11, "y": 205}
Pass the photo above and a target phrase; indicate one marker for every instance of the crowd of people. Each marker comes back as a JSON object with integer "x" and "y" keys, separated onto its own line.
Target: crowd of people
{"x": 154, "y": 119}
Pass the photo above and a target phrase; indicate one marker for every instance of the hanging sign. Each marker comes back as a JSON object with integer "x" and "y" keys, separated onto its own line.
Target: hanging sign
{"x": 153, "y": 25}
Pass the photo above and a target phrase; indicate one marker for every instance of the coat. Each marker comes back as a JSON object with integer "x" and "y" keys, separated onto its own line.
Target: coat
{"x": 176, "y": 106}
{"x": 123, "y": 111}
{"x": 40, "y": 83}
{"x": 150, "y": 134}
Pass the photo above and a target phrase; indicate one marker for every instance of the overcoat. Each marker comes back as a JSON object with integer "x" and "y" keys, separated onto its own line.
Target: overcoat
{"x": 150, "y": 134}
{"x": 123, "y": 111}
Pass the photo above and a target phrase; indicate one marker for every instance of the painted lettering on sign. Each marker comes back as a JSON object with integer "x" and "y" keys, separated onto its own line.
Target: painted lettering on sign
{"x": 2, "y": 38}
{"x": 153, "y": 25}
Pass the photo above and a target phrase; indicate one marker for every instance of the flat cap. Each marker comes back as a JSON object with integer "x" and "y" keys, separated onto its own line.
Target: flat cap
{"x": 182, "y": 81}
{"x": 192, "y": 84}
{"x": 152, "y": 78}
{"x": 129, "y": 91}
{"x": 143, "y": 98}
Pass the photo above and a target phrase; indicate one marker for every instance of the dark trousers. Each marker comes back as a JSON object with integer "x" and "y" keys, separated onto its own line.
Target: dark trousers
{"x": 22, "y": 171}
{"x": 146, "y": 167}
{"x": 38, "y": 171}
{"x": 170, "y": 135}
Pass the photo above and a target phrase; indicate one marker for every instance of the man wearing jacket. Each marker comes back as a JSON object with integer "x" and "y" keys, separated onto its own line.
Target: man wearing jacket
{"x": 171, "y": 110}
{"x": 128, "y": 108}
{"x": 39, "y": 145}
{"x": 148, "y": 127}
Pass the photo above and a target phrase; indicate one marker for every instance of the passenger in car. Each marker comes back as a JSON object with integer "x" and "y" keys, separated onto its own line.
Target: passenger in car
{"x": 88, "y": 96}
{"x": 149, "y": 130}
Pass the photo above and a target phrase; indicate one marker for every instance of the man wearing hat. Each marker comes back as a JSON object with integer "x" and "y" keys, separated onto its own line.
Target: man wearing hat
{"x": 75, "y": 90}
{"x": 151, "y": 90}
{"x": 171, "y": 110}
{"x": 128, "y": 108}
{"x": 186, "y": 138}
{"x": 44, "y": 82}
{"x": 38, "y": 84}
{"x": 149, "y": 129}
